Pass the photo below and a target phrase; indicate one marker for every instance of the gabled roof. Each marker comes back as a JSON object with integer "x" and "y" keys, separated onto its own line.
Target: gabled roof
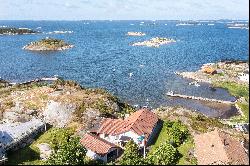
{"x": 219, "y": 147}
{"x": 140, "y": 122}
{"x": 96, "y": 144}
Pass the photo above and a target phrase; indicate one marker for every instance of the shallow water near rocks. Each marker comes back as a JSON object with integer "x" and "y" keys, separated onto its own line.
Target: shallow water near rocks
{"x": 103, "y": 58}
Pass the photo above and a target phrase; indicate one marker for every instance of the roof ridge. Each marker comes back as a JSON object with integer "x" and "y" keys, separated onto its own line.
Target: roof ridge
{"x": 134, "y": 122}
{"x": 138, "y": 116}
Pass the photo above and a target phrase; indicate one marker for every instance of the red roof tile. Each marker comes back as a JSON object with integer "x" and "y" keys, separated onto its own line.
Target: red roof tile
{"x": 96, "y": 144}
{"x": 141, "y": 122}
{"x": 217, "y": 147}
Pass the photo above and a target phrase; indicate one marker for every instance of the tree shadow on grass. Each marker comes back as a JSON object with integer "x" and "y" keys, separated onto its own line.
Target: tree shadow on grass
{"x": 26, "y": 154}
{"x": 23, "y": 155}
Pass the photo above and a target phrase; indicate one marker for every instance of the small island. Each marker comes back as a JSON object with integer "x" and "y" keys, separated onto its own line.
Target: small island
{"x": 48, "y": 44}
{"x": 154, "y": 42}
{"x": 16, "y": 31}
{"x": 136, "y": 34}
{"x": 238, "y": 26}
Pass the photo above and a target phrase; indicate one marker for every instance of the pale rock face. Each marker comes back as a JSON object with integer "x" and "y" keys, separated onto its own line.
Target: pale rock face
{"x": 58, "y": 114}
{"x": 45, "y": 151}
{"x": 16, "y": 114}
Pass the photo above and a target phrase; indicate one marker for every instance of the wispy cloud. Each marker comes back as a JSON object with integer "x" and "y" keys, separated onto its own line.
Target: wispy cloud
{"x": 124, "y": 9}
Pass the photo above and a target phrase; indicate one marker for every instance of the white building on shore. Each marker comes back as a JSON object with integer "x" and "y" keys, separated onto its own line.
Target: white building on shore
{"x": 105, "y": 141}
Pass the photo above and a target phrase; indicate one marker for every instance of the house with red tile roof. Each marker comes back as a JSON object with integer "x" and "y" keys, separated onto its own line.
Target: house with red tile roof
{"x": 98, "y": 148}
{"x": 141, "y": 127}
{"x": 217, "y": 147}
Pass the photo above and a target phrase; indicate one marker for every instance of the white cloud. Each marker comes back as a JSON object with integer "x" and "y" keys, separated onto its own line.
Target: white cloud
{"x": 124, "y": 9}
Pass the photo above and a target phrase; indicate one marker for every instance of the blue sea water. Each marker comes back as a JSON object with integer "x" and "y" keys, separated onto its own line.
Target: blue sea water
{"x": 103, "y": 57}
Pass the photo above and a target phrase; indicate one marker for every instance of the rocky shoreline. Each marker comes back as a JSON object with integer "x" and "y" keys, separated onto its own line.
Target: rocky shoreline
{"x": 219, "y": 72}
{"x": 58, "y": 103}
{"x": 230, "y": 75}
{"x": 48, "y": 44}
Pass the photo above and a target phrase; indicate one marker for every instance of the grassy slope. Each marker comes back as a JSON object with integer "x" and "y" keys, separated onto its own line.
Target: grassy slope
{"x": 238, "y": 90}
{"x": 183, "y": 148}
{"x": 30, "y": 155}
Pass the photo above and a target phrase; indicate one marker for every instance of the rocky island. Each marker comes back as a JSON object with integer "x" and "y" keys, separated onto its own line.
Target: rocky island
{"x": 238, "y": 26}
{"x": 154, "y": 42}
{"x": 16, "y": 31}
{"x": 136, "y": 34}
{"x": 48, "y": 44}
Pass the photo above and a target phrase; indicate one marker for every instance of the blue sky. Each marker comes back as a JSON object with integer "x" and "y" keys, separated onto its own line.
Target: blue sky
{"x": 123, "y": 9}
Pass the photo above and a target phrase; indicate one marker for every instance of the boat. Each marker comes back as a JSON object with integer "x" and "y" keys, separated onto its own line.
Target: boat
{"x": 195, "y": 83}
{"x": 170, "y": 93}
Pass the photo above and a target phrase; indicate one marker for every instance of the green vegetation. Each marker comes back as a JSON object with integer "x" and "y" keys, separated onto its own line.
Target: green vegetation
{"x": 174, "y": 140}
{"x": 174, "y": 132}
{"x": 61, "y": 82}
{"x": 9, "y": 104}
{"x": 47, "y": 44}
{"x": 30, "y": 155}
{"x": 204, "y": 124}
{"x": 234, "y": 89}
{"x": 70, "y": 152}
{"x": 245, "y": 109}
{"x": 165, "y": 154}
{"x": 131, "y": 155}
{"x": 238, "y": 90}
{"x": 7, "y": 31}
{"x": 186, "y": 152}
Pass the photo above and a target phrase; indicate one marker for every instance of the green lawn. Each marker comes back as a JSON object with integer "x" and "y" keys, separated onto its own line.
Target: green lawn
{"x": 183, "y": 149}
{"x": 30, "y": 155}
{"x": 245, "y": 109}
{"x": 238, "y": 90}
{"x": 234, "y": 89}
{"x": 161, "y": 138}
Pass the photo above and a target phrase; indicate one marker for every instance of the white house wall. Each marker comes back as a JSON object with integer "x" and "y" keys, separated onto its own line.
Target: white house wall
{"x": 115, "y": 138}
{"x": 132, "y": 135}
{"x": 95, "y": 156}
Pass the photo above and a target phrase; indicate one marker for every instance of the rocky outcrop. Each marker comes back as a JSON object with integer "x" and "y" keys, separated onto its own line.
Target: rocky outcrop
{"x": 45, "y": 150}
{"x": 154, "y": 42}
{"x": 48, "y": 44}
{"x": 16, "y": 31}
{"x": 136, "y": 34}
{"x": 229, "y": 71}
{"x": 59, "y": 104}
{"x": 58, "y": 114}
